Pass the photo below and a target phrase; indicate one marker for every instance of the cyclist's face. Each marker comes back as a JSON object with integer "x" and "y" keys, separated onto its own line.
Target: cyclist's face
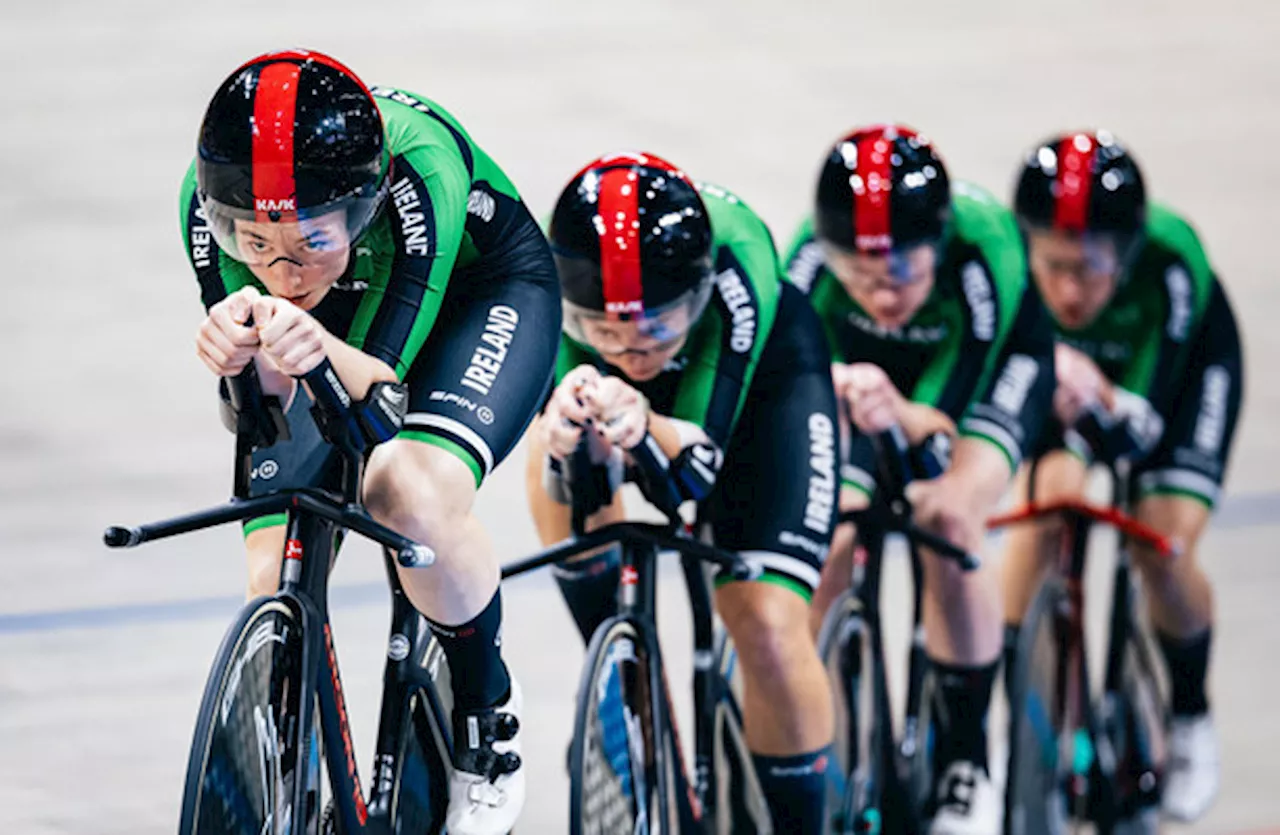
{"x": 296, "y": 261}
{"x": 639, "y": 349}
{"x": 890, "y": 288}
{"x": 1076, "y": 276}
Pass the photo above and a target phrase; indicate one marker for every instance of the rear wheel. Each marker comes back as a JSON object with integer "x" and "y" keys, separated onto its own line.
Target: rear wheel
{"x": 863, "y": 730}
{"x": 1035, "y": 801}
{"x": 613, "y": 785}
{"x": 248, "y": 759}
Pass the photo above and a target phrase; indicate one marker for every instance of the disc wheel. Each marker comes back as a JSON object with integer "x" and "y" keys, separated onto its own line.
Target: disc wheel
{"x": 613, "y": 776}
{"x": 248, "y": 756}
{"x": 845, "y": 645}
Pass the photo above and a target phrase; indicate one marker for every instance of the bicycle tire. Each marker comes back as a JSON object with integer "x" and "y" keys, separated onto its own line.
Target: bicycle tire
{"x": 1140, "y": 739}
{"x": 247, "y": 752}
{"x": 1034, "y": 800}
{"x": 920, "y": 765}
{"x": 741, "y": 808}
{"x": 613, "y": 785}
{"x": 863, "y": 728}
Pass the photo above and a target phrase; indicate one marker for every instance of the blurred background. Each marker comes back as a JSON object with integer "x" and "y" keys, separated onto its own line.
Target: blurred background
{"x": 108, "y": 417}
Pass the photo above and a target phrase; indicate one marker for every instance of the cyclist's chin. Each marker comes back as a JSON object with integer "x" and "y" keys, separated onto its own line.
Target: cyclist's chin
{"x": 1074, "y": 318}
{"x": 641, "y": 370}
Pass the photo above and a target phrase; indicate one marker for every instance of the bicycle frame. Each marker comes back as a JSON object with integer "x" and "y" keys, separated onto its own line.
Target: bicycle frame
{"x": 641, "y": 545}
{"x": 315, "y": 520}
{"x": 1073, "y": 706}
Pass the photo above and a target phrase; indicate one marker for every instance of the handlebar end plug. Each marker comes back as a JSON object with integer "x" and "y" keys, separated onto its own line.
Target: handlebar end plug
{"x": 117, "y": 537}
{"x": 416, "y": 556}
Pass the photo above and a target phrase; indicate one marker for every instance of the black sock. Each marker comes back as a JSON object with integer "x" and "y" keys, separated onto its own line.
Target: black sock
{"x": 1009, "y": 656}
{"x": 1188, "y": 663}
{"x": 473, "y": 650}
{"x": 961, "y": 698}
{"x": 590, "y": 589}
{"x": 796, "y": 790}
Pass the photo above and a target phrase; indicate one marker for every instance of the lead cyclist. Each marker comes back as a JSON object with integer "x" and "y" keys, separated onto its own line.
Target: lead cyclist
{"x": 325, "y": 219}
{"x": 679, "y": 332}
{"x": 1144, "y": 332}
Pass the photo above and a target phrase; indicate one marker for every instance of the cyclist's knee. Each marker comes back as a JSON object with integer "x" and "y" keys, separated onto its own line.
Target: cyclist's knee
{"x": 419, "y": 489}
{"x": 264, "y": 551}
{"x": 1182, "y": 519}
{"x": 1060, "y": 476}
{"x": 768, "y": 624}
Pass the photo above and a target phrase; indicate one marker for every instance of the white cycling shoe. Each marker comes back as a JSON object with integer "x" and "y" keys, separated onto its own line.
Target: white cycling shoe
{"x": 487, "y": 787}
{"x": 1191, "y": 777}
{"x": 967, "y": 802}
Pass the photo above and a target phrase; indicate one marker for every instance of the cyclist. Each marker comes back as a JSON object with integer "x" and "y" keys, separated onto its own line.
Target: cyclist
{"x": 325, "y": 219}
{"x": 1145, "y": 332}
{"x": 679, "y": 330}
{"x": 922, "y": 290}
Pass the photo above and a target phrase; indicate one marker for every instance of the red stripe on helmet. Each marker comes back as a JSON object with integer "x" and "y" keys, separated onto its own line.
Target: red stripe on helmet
{"x": 619, "y": 230}
{"x": 300, "y": 56}
{"x": 1074, "y": 182}
{"x": 274, "y": 102}
{"x": 633, "y": 158}
{"x": 872, "y": 183}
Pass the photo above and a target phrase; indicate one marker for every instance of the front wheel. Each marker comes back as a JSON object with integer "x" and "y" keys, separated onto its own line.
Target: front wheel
{"x": 248, "y": 759}
{"x": 863, "y": 726}
{"x": 613, "y": 774}
{"x": 1035, "y": 801}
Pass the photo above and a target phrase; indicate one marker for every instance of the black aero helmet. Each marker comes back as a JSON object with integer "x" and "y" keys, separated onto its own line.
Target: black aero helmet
{"x": 1082, "y": 183}
{"x": 882, "y": 188}
{"x": 291, "y": 136}
{"x": 632, "y": 241}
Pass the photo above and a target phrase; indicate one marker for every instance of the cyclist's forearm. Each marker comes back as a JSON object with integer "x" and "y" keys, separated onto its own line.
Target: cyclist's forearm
{"x": 552, "y": 519}
{"x": 674, "y": 435}
{"x": 357, "y": 370}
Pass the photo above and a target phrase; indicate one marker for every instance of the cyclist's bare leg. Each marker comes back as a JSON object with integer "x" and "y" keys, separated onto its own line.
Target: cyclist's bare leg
{"x": 787, "y": 705}
{"x": 786, "y": 697}
{"x": 1180, "y": 603}
{"x": 1031, "y": 548}
{"x": 427, "y": 494}
{"x": 837, "y": 571}
{"x": 963, "y": 630}
{"x": 265, "y": 547}
{"x": 1179, "y": 596}
{"x": 962, "y": 610}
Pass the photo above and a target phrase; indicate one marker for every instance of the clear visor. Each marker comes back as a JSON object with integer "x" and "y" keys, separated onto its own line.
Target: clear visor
{"x": 894, "y": 268}
{"x": 261, "y": 238}
{"x": 653, "y": 330}
{"x": 1090, "y": 256}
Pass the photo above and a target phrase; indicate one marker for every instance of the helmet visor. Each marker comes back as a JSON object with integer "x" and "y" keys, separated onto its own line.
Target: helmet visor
{"x": 896, "y": 268}
{"x": 652, "y": 330}
{"x": 1091, "y": 256}
{"x": 262, "y": 237}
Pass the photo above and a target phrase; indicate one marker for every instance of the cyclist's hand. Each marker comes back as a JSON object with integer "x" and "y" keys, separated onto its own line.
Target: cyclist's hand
{"x": 290, "y": 337}
{"x": 223, "y": 342}
{"x": 566, "y": 415}
{"x": 920, "y": 420}
{"x": 1081, "y": 384}
{"x": 619, "y": 411}
{"x": 875, "y": 404}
